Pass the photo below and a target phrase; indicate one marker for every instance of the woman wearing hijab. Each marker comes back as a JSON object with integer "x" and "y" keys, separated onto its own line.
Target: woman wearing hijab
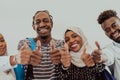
{"x": 7, "y": 74}
{"x": 83, "y": 66}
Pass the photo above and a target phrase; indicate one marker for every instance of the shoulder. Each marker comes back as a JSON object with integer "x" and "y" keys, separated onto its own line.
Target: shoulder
{"x": 22, "y": 42}
{"x": 110, "y": 45}
{"x": 59, "y": 43}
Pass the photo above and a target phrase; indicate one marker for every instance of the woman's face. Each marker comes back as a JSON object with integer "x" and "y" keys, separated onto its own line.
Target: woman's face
{"x": 73, "y": 40}
{"x": 3, "y": 45}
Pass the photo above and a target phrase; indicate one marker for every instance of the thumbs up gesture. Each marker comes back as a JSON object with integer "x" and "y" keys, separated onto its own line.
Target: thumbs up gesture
{"x": 36, "y": 56}
{"x": 65, "y": 56}
{"x": 97, "y": 53}
{"x": 24, "y": 56}
{"x": 87, "y": 58}
{"x": 54, "y": 53}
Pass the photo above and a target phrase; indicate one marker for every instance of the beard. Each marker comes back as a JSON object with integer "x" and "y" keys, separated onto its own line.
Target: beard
{"x": 113, "y": 38}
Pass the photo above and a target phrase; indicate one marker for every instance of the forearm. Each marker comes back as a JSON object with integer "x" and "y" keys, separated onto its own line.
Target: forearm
{"x": 107, "y": 57}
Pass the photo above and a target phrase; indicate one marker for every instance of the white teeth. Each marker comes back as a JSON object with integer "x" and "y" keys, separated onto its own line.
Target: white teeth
{"x": 116, "y": 35}
{"x": 74, "y": 45}
{"x": 43, "y": 30}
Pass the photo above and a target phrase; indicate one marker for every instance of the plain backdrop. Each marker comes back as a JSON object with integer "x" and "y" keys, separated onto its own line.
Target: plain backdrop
{"x": 16, "y": 18}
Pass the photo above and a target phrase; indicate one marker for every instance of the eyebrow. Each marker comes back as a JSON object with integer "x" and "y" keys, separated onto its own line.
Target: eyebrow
{"x": 113, "y": 23}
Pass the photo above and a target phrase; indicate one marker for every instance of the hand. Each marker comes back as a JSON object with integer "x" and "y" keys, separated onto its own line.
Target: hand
{"x": 55, "y": 53}
{"x": 36, "y": 56}
{"x": 97, "y": 53}
{"x": 24, "y": 56}
{"x": 87, "y": 58}
{"x": 65, "y": 56}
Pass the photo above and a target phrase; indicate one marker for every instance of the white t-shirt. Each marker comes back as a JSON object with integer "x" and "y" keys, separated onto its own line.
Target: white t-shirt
{"x": 112, "y": 53}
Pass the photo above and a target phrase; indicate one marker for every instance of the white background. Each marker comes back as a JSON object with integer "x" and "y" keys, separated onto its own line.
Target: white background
{"x": 16, "y": 18}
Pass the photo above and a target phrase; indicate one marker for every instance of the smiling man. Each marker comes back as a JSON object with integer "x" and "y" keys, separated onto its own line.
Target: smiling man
{"x": 43, "y": 24}
{"x": 110, "y": 23}
{"x": 45, "y": 61}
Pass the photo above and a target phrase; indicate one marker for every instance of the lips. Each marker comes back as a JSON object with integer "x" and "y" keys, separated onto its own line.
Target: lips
{"x": 115, "y": 35}
{"x": 74, "y": 44}
{"x": 42, "y": 30}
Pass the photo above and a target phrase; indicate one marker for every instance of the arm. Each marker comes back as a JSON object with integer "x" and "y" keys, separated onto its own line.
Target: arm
{"x": 107, "y": 56}
{"x": 6, "y": 62}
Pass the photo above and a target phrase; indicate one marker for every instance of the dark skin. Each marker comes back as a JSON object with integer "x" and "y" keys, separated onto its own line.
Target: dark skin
{"x": 43, "y": 28}
{"x": 42, "y": 24}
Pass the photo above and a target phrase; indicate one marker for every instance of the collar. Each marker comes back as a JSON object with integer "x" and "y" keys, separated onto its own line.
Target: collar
{"x": 116, "y": 44}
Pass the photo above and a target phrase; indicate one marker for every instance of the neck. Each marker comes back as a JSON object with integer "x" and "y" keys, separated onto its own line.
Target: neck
{"x": 44, "y": 39}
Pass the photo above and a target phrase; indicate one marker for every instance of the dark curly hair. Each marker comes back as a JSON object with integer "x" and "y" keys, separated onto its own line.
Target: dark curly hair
{"x": 106, "y": 15}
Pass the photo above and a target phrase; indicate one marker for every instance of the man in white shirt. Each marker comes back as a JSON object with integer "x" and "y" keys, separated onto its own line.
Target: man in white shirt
{"x": 110, "y": 54}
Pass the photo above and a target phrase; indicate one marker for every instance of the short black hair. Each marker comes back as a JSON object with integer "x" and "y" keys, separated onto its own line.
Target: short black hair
{"x": 46, "y": 11}
{"x": 106, "y": 15}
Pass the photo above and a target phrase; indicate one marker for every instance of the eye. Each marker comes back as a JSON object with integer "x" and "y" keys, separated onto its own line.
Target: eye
{"x": 114, "y": 25}
{"x": 67, "y": 39}
{"x": 46, "y": 20}
{"x": 74, "y": 35}
{"x": 107, "y": 30}
{"x": 37, "y": 22}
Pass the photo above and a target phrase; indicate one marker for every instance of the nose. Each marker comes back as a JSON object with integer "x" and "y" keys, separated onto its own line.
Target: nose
{"x": 71, "y": 40}
{"x": 42, "y": 24}
{"x": 112, "y": 30}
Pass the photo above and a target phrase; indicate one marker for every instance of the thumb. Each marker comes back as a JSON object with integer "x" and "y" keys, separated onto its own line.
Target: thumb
{"x": 52, "y": 44}
{"x": 25, "y": 46}
{"x": 84, "y": 50}
{"x": 83, "y": 53}
{"x": 66, "y": 47}
{"x": 38, "y": 45}
{"x": 97, "y": 44}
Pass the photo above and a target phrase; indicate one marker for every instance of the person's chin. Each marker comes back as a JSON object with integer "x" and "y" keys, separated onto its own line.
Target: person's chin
{"x": 75, "y": 50}
{"x": 118, "y": 40}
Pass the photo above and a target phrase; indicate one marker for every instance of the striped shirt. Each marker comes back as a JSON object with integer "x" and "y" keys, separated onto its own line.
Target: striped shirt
{"x": 46, "y": 70}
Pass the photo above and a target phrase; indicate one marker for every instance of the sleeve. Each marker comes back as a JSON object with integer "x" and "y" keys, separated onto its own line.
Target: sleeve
{"x": 107, "y": 56}
{"x": 5, "y": 63}
{"x": 21, "y": 43}
{"x": 60, "y": 43}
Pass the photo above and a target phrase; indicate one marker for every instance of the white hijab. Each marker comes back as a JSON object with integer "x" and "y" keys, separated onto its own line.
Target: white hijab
{"x": 76, "y": 56}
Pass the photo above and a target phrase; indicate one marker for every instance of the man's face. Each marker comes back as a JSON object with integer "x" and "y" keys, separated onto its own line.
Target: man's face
{"x": 3, "y": 46}
{"x": 111, "y": 27}
{"x": 42, "y": 24}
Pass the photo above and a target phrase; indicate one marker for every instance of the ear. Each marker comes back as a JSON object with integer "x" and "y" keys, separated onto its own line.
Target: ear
{"x": 51, "y": 23}
{"x": 33, "y": 27}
